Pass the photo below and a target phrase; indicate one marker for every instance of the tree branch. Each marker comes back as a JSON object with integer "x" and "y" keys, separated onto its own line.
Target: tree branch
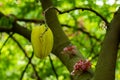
{"x": 22, "y": 31}
{"x": 16, "y": 28}
{"x": 105, "y": 69}
{"x": 88, "y": 9}
{"x": 5, "y": 42}
{"x": 31, "y": 20}
{"x": 61, "y": 41}
{"x": 83, "y": 31}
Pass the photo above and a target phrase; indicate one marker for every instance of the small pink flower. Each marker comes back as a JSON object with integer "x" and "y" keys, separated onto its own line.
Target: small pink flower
{"x": 65, "y": 49}
{"x": 70, "y": 49}
{"x": 82, "y": 65}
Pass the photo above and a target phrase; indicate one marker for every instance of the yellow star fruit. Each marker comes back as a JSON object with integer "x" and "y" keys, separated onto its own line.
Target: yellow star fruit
{"x": 42, "y": 41}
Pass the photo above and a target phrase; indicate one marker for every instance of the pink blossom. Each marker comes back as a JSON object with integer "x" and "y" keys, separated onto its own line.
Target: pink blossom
{"x": 70, "y": 49}
{"x": 82, "y": 65}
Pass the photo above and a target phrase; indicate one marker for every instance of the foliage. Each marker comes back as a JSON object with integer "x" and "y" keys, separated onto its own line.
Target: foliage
{"x": 84, "y": 28}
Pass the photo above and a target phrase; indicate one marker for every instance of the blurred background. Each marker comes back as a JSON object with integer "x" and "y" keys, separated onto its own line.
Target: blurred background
{"x": 85, "y": 29}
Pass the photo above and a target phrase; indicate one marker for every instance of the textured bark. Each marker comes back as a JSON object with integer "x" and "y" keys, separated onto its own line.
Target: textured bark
{"x": 105, "y": 69}
{"x": 61, "y": 41}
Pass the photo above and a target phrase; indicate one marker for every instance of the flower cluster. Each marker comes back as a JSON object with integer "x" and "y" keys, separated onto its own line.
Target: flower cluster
{"x": 82, "y": 65}
{"x": 70, "y": 49}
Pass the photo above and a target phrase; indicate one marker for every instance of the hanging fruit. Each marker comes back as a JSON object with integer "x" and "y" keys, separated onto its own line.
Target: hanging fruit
{"x": 42, "y": 41}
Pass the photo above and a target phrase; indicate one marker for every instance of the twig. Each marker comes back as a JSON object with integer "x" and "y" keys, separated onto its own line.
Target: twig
{"x": 36, "y": 73}
{"x": 88, "y": 9}
{"x": 29, "y": 62}
{"x": 31, "y": 20}
{"x": 22, "y": 74}
{"x": 53, "y": 68}
{"x": 85, "y": 32}
{"x": 88, "y": 34}
{"x": 77, "y": 8}
{"x": 29, "y": 58}
{"x": 5, "y": 42}
{"x": 20, "y": 46}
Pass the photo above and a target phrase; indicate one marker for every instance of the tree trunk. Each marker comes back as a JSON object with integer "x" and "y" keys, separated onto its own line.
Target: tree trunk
{"x": 105, "y": 69}
{"x": 61, "y": 41}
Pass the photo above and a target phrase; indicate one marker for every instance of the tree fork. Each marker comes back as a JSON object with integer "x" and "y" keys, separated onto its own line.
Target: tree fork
{"x": 61, "y": 41}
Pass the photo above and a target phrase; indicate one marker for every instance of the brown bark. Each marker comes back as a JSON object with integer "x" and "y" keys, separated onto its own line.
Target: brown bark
{"x": 61, "y": 41}
{"x": 105, "y": 69}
